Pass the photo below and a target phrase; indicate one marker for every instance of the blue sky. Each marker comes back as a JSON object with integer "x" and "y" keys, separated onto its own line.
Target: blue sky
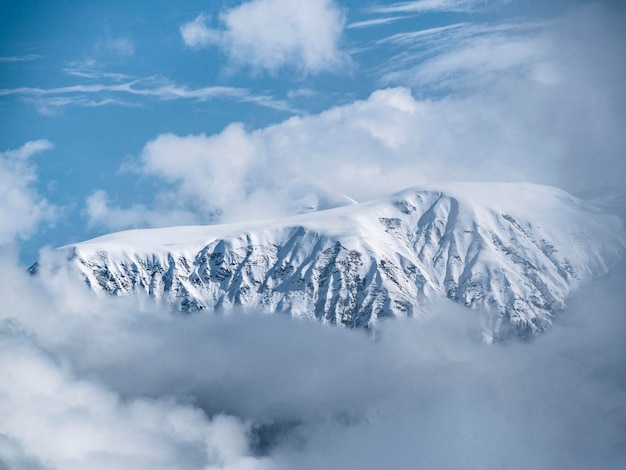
{"x": 143, "y": 114}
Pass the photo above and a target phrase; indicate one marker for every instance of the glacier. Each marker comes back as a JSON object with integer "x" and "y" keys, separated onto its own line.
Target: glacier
{"x": 512, "y": 252}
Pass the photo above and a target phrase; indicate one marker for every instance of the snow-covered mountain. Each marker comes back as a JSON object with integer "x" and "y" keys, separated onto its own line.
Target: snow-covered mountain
{"x": 515, "y": 251}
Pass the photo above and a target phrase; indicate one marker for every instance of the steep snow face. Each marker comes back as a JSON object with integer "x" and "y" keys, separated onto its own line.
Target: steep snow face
{"x": 513, "y": 251}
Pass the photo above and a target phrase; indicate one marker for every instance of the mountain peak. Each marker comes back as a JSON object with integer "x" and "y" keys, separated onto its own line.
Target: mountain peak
{"x": 515, "y": 251}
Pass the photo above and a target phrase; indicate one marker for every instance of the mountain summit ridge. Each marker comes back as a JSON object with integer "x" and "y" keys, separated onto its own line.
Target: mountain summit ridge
{"x": 515, "y": 251}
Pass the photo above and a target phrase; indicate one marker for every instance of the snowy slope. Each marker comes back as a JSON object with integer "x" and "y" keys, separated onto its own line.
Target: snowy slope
{"x": 513, "y": 250}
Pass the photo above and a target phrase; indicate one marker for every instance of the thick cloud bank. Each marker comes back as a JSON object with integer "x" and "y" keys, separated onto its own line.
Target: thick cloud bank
{"x": 537, "y": 102}
{"x": 118, "y": 382}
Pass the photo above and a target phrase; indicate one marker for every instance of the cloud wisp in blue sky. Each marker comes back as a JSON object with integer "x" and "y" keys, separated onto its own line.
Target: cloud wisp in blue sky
{"x": 421, "y": 6}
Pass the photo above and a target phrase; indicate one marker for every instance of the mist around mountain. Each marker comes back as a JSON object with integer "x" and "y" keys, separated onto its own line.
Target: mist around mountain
{"x": 96, "y": 383}
{"x": 116, "y": 380}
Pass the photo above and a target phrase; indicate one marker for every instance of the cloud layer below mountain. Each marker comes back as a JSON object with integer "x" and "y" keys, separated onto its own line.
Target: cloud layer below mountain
{"x": 96, "y": 382}
{"x": 106, "y": 382}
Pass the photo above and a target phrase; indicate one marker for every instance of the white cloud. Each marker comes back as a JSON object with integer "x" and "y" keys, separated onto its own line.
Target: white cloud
{"x": 374, "y": 22}
{"x": 271, "y": 34}
{"x": 301, "y": 93}
{"x": 519, "y": 108}
{"x": 20, "y": 58}
{"x": 245, "y": 173}
{"x": 421, "y": 6}
{"x": 100, "y": 213}
{"x": 122, "y": 46}
{"x": 72, "y": 424}
{"x": 465, "y": 56}
{"x": 220, "y": 164}
{"x": 53, "y": 106}
{"x": 52, "y": 416}
{"x": 223, "y": 177}
{"x": 49, "y": 100}
{"x": 84, "y": 390}
{"x": 22, "y": 209}
{"x": 92, "y": 69}
{"x": 197, "y": 34}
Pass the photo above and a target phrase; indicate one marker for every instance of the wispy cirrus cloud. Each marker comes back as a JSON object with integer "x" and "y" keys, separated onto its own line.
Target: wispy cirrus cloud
{"x": 421, "y": 6}
{"x": 123, "y": 93}
{"x": 407, "y": 10}
{"x": 19, "y": 58}
{"x": 92, "y": 69}
{"x": 53, "y": 105}
{"x": 460, "y": 55}
{"x": 411, "y": 37}
{"x": 374, "y": 22}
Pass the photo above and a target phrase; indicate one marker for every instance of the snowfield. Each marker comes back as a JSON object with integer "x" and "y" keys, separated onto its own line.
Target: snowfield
{"x": 514, "y": 252}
